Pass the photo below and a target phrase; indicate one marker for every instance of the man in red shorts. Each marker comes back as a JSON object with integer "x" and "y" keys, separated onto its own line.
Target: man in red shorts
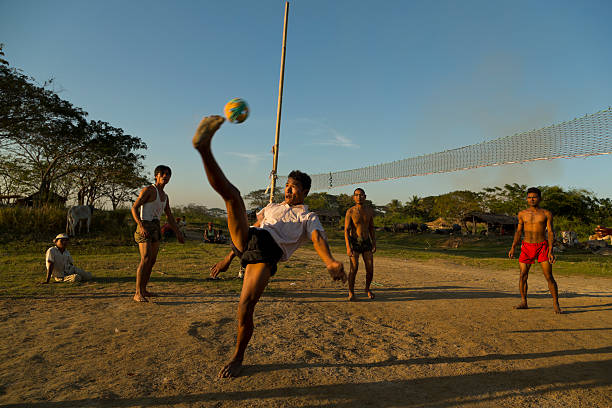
{"x": 537, "y": 224}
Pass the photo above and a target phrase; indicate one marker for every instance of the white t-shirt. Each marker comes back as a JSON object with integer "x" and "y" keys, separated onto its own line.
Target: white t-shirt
{"x": 60, "y": 261}
{"x": 152, "y": 210}
{"x": 290, "y": 226}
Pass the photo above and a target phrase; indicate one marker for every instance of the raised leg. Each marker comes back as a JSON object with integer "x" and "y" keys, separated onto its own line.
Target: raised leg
{"x": 523, "y": 285}
{"x": 236, "y": 212}
{"x": 255, "y": 281}
{"x": 552, "y": 284}
{"x": 368, "y": 260}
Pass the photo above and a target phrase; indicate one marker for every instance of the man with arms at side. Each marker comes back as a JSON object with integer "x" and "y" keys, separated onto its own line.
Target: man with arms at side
{"x": 360, "y": 238}
{"x": 279, "y": 230}
{"x": 537, "y": 225}
{"x": 147, "y": 210}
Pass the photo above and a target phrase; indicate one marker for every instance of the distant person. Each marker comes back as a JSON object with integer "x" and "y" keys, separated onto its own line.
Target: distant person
{"x": 537, "y": 224}
{"x": 220, "y": 237}
{"x": 147, "y": 210}
{"x": 166, "y": 231}
{"x": 209, "y": 233}
{"x": 182, "y": 224}
{"x": 60, "y": 264}
{"x": 602, "y": 234}
{"x": 360, "y": 238}
{"x": 279, "y": 230}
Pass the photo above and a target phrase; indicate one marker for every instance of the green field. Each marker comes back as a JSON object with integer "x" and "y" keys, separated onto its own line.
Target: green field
{"x": 113, "y": 262}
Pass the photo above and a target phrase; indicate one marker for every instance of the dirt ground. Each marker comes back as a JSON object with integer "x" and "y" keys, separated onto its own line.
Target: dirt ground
{"x": 437, "y": 335}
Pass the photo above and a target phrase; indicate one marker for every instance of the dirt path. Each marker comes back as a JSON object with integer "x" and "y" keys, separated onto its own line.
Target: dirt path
{"x": 437, "y": 335}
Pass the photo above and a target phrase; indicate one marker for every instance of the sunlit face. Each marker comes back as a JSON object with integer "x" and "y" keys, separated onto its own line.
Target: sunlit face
{"x": 162, "y": 178}
{"x": 533, "y": 200}
{"x": 294, "y": 193}
{"x": 359, "y": 197}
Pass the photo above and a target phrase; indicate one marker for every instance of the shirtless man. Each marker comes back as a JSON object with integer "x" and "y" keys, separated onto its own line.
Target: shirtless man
{"x": 360, "y": 239}
{"x": 277, "y": 233}
{"x": 152, "y": 201}
{"x": 537, "y": 223}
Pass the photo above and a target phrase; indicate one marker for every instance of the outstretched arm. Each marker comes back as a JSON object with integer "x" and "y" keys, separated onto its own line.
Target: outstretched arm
{"x": 335, "y": 268}
{"x": 517, "y": 236}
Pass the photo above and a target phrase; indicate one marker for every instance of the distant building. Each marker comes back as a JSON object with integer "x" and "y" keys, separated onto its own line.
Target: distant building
{"x": 494, "y": 223}
{"x": 36, "y": 199}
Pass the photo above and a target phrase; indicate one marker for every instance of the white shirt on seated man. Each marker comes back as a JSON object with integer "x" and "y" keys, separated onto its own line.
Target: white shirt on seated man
{"x": 60, "y": 264}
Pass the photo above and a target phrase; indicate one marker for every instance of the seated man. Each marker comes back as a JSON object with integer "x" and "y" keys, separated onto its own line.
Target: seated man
{"x": 60, "y": 263}
{"x": 166, "y": 231}
{"x": 209, "y": 233}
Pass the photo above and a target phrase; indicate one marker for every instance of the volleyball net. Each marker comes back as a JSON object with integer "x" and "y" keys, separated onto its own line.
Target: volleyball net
{"x": 590, "y": 135}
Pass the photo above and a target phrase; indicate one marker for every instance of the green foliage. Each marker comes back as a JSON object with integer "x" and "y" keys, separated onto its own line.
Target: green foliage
{"x": 259, "y": 198}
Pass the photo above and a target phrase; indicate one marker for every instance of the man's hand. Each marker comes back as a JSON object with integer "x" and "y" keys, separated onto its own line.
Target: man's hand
{"x": 142, "y": 231}
{"x": 336, "y": 270}
{"x": 551, "y": 256}
{"x": 511, "y": 253}
{"x": 220, "y": 266}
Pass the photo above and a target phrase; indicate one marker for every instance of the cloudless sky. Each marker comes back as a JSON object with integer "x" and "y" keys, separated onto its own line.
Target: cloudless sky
{"x": 365, "y": 82}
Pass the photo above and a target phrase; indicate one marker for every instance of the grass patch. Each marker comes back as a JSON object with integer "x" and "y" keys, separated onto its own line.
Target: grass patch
{"x": 485, "y": 252}
{"x": 113, "y": 261}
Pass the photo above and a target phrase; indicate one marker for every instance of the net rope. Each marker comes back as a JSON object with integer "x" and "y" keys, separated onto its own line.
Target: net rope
{"x": 590, "y": 135}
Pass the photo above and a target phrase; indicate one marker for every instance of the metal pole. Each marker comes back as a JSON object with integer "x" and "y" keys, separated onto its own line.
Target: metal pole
{"x": 280, "y": 104}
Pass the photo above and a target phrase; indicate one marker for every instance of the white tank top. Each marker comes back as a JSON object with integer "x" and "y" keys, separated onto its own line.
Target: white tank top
{"x": 152, "y": 210}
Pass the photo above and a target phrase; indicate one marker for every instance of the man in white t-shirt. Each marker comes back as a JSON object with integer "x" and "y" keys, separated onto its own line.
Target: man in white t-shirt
{"x": 60, "y": 264}
{"x": 279, "y": 230}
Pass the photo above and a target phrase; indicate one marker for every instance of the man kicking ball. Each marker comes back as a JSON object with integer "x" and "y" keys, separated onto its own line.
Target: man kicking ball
{"x": 280, "y": 229}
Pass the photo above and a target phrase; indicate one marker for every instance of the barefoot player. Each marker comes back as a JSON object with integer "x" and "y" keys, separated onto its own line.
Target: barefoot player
{"x": 537, "y": 224}
{"x": 360, "y": 239}
{"x": 280, "y": 229}
{"x": 147, "y": 210}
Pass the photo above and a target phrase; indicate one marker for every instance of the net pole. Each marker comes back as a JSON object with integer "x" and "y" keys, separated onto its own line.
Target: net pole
{"x": 279, "y": 107}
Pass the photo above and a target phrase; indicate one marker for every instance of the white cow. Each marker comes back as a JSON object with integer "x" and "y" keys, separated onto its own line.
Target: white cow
{"x": 77, "y": 215}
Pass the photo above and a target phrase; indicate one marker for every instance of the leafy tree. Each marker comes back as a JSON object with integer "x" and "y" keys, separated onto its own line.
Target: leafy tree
{"x": 259, "y": 198}
{"x": 457, "y": 204}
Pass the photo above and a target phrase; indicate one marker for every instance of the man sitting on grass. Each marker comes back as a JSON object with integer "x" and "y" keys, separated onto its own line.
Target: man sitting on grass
{"x": 60, "y": 263}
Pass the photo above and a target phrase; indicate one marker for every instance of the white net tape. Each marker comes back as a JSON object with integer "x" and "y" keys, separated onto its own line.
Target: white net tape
{"x": 589, "y": 135}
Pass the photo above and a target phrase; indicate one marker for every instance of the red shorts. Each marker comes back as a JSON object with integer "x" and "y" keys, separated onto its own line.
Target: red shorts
{"x": 532, "y": 251}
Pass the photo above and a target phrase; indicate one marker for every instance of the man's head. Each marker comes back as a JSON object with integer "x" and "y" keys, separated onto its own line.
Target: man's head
{"x": 359, "y": 196}
{"x": 534, "y": 196}
{"x": 210, "y": 225}
{"x": 297, "y": 187}
{"x": 61, "y": 241}
{"x": 162, "y": 174}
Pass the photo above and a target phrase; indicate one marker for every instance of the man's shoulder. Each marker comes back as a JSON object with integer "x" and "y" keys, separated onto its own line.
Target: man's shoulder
{"x": 351, "y": 209}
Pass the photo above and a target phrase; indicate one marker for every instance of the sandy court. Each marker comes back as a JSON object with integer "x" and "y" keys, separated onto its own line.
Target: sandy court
{"x": 437, "y": 335}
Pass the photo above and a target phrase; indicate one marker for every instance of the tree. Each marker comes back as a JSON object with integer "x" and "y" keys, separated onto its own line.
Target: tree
{"x": 457, "y": 204}
{"x": 39, "y": 132}
{"x": 259, "y": 198}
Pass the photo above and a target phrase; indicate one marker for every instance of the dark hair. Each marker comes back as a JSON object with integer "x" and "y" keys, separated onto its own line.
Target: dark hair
{"x": 302, "y": 178}
{"x": 162, "y": 169}
{"x": 534, "y": 190}
{"x": 360, "y": 189}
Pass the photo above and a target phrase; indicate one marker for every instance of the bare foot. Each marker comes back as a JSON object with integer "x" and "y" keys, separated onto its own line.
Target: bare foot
{"x": 206, "y": 130}
{"x": 352, "y": 297}
{"x": 558, "y": 309}
{"x": 151, "y": 294}
{"x": 370, "y": 294}
{"x": 231, "y": 369}
{"x": 522, "y": 305}
{"x": 139, "y": 298}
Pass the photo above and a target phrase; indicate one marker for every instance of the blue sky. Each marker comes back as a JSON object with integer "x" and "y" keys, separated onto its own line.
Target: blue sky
{"x": 365, "y": 82}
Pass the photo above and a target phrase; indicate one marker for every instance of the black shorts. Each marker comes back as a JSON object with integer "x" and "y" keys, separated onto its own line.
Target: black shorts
{"x": 261, "y": 248}
{"x": 360, "y": 245}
